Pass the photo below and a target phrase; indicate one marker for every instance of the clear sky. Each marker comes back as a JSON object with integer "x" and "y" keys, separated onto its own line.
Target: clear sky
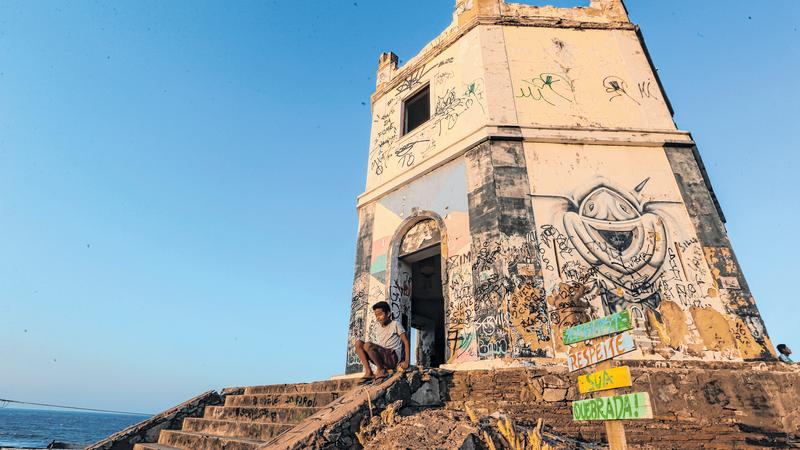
{"x": 178, "y": 179}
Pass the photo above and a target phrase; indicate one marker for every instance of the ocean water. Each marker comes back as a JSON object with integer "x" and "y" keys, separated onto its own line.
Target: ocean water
{"x": 33, "y": 428}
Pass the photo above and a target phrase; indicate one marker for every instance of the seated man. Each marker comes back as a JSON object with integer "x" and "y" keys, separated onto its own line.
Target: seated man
{"x": 391, "y": 343}
{"x": 783, "y": 354}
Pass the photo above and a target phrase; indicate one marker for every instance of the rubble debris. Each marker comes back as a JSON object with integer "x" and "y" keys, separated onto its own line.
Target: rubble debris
{"x": 430, "y": 429}
{"x": 443, "y": 429}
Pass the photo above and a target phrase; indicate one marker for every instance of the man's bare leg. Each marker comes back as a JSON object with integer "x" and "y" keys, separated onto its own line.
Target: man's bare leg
{"x": 375, "y": 356}
{"x": 362, "y": 356}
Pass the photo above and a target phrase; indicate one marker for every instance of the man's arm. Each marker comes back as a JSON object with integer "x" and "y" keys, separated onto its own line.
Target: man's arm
{"x": 407, "y": 346}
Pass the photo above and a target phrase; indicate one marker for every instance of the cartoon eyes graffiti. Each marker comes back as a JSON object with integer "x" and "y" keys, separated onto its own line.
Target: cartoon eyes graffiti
{"x": 608, "y": 205}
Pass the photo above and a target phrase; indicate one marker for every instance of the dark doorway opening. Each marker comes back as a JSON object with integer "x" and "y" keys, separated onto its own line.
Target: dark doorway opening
{"x": 427, "y": 306}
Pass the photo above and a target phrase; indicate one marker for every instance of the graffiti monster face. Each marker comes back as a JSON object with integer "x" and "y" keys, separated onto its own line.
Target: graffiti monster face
{"x": 612, "y": 231}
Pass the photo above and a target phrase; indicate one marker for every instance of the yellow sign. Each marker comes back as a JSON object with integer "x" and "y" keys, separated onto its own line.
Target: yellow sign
{"x": 603, "y": 380}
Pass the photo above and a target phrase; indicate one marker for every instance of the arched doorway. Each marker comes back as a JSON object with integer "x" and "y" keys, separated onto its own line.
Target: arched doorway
{"x": 419, "y": 255}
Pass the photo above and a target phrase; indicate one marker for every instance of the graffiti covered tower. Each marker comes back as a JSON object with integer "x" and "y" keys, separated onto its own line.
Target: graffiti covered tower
{"x": 524, "y": 176}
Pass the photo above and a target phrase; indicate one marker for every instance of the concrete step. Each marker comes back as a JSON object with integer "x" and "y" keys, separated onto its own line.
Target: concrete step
{"x": 230, "y": 428}
{"x": 258, "y": 414}
{"x": 306, "y": 400}
{"x": 302, "y": 388}
{"x": 150, "y": 446}
{"x": 186, "y": 440}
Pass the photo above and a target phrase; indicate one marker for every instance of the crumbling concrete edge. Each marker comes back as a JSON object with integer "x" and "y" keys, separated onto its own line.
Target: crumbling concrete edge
{"x": 337, "y": 423}
{"x": 601, "y": 15}
{"x": 148, "y": 430}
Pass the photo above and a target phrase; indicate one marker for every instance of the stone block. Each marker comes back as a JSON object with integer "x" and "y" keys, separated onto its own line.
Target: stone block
{"x": 427, "y": 394}
{"x": 398, "y": 391}
{"x": 555, "y": 394}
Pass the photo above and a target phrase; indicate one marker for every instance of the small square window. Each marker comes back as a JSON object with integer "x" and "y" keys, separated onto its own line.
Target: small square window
{"x": 417, "y": 109}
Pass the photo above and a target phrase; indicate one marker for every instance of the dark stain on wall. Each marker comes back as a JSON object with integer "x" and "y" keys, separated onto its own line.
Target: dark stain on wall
{"x": 510, "y": 310}
{"x": 714, "y": 394}
{"x": 698, "y": 195}
{"x": 749, "y": 332}
{"x": 359, "y": 303}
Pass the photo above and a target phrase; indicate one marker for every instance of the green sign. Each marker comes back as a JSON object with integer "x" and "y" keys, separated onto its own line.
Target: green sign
{"x": 622, "y": 407}
{"x": 614, "y": 323}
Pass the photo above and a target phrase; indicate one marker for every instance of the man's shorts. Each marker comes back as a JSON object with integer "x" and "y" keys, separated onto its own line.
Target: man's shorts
{"x": 388, "y": 356}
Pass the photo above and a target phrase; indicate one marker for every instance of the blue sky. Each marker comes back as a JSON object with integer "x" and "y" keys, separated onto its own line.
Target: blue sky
{"x": 178, "y": 179}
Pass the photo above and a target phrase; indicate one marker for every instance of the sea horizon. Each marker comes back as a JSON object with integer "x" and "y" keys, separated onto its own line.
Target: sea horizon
{"x": 29, "y": 428}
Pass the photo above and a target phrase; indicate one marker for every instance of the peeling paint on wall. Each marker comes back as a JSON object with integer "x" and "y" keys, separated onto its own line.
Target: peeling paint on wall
{"x": 714, "y": 330}
{"x": 627, "y": 241}
{"x": 358, "y": 302}
{"x": 422, "y": 235}
{"x": 602, "y": 245}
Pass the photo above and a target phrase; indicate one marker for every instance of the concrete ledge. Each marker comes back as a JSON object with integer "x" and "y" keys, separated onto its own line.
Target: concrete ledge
{"x": 567, "y": 135}
{"x": 560, "y": 365}
{"x": 346, "y": 376}
{"x": 148, "y": 430}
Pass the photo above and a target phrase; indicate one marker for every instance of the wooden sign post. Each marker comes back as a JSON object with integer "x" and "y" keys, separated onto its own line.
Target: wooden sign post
{"x": 606, "y": 406}
{"x": 615, "y": 432}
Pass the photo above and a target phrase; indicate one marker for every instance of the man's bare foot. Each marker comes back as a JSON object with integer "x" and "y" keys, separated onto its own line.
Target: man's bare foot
{"x": 368, "y": 375}
{"x": 380, "y": 373}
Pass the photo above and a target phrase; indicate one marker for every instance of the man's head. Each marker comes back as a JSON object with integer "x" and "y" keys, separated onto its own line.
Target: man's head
{"x": 782, "y": 348}
{"x": 382, "y": 312}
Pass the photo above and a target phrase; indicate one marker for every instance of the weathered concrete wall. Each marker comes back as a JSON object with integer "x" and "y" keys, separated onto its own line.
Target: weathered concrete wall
{"x": 706, "y": 215}
{"x": 148, "y": 430}
{"x": 615, "y": 234}
{"x": 561, "y": 190}
{"x": 458, "y": 105}
{"x": 440, "y": 196}
{"x": 491, "y": 278}
{"x": 583, "y": 78}
{"x": 361, "y": 280}
{"x": 504, "y": 64}
{"x": 695, "y": 405}
{"x": 599, "y": 12}
{"x": 510, "y": 316}
{"x": 611, "y": 232}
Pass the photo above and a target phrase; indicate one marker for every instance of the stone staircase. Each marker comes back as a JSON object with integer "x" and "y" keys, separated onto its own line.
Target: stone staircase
{"x": 250, "y": 419}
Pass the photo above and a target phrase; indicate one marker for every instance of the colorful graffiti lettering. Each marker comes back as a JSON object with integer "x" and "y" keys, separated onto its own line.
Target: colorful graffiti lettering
{"x": 622, "y": 407}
